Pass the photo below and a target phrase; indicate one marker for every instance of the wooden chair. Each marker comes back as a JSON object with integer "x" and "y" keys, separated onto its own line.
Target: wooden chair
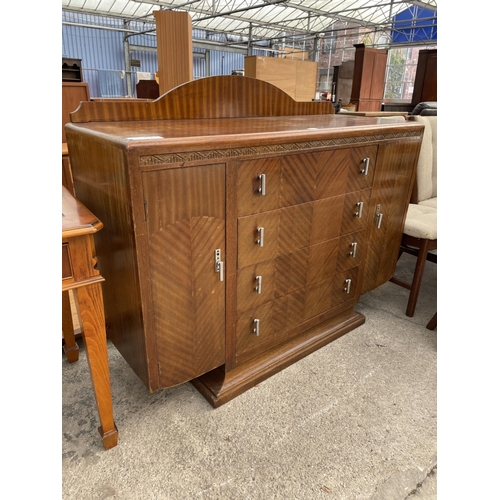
{"x": 420, "y": 231}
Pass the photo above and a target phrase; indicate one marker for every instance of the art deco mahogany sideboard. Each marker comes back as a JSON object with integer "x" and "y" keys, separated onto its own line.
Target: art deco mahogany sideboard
{"x": 241, "y": 226}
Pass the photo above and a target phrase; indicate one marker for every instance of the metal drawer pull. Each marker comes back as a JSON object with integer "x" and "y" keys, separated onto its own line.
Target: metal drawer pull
{"x": 378, "y": 216}
{"x": 256, "y": 330}
{"x": 218, "y": 265}
{"x": 260, "y": 240}
{"x": 262, "y": 189}
{"x": 258, "y": 288}
{"x": 354, "y": 247}
{"x": 359, "y": 213}
{"x": 364, "y": 170}
{"x": 347, "y": 289}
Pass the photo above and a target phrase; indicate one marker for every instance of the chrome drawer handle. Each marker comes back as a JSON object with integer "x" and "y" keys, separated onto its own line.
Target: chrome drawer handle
{"x": 366, "y": 162}
{"x": 258, "y": 288}
{"x": 354, "y": 247}
{"x": 262, "y": 189}
{"x": 359, "y": 213}
{"x": 379, "y": 217}
{"x": 347, "y": 289}
{"x": 260, "y": 240}
{"x": 256, "y": 330}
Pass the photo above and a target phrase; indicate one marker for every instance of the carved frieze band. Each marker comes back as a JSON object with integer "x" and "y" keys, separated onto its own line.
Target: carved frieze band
{"x": 162, "y": 159}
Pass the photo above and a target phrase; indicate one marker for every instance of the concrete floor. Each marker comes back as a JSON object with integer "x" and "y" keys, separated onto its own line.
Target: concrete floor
{"x": 356, "y": 420}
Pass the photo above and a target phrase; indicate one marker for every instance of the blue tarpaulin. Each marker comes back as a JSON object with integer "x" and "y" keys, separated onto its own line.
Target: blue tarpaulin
{"x": 413, "y": 25}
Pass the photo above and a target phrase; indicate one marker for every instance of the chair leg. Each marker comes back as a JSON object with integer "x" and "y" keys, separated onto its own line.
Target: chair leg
{"x": 432, "y": 322}
{"x": 417, "y": 277}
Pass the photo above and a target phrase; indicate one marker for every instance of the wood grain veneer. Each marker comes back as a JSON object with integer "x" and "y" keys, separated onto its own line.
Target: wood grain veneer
{"x": 212, "y": 97}
{"x": 178, "y": 178}
{"x": 185, "y": 215}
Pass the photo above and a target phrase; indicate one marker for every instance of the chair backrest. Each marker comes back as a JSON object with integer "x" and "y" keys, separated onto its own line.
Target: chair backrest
{"x": 426, "y": 181}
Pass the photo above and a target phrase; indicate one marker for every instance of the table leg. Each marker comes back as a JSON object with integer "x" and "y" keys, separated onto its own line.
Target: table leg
{"x": 71, "y": 348}
{"x": 91, "y": 308}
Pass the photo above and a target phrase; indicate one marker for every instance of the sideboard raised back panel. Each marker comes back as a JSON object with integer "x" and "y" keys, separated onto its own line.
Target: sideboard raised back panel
{"x": 236, "y": 244}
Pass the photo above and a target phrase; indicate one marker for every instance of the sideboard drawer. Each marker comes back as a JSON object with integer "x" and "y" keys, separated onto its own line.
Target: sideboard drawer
{"x": 361, "y": 165}
{"x": 288, "y": 229}
{"x": 286, "y": 273}
{"x": 277, "y": 319}
{"x": 272, "y": 183}
{"x": 345, "y": 286}
{"x": 258, "y": 185}
{"x": 356, "y": 206}
{"x": 351, "y": 250}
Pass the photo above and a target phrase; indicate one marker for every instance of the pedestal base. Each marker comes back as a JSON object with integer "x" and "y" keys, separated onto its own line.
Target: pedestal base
{"x": 220, "y": 386}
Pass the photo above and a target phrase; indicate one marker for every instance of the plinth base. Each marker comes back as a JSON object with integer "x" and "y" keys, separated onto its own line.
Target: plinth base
{"x": 220, "y": 386}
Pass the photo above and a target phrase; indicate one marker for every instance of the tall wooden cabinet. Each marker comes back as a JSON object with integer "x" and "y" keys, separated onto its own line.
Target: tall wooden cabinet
{"x": 174, "y": 48}
{"x": 369, "y": 78}
{"x": 425, "y": 88}
{"x": 241, "y": 229}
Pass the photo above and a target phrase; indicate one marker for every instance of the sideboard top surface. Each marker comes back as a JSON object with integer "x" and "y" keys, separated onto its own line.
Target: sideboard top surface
{"x": 132, "y": 134}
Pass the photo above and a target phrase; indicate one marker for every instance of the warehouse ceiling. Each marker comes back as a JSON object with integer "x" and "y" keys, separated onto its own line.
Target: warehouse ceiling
{"x": 260, "y": 20}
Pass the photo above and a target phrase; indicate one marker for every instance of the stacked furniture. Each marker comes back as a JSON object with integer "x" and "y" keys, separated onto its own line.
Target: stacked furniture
{"x": 241, "y": 226}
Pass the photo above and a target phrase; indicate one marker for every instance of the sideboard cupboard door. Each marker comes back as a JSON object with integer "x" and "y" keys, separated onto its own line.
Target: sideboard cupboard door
{"x": 391, "y": 193}
{"x": 185, "y": 217}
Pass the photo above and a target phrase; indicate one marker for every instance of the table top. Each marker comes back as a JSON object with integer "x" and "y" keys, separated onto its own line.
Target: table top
{"x": 77, "y": 219}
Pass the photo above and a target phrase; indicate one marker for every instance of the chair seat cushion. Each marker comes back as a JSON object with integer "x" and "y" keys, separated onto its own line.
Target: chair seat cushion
{"x": 421, "y": 222}
{"x": 431, "y": 202}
